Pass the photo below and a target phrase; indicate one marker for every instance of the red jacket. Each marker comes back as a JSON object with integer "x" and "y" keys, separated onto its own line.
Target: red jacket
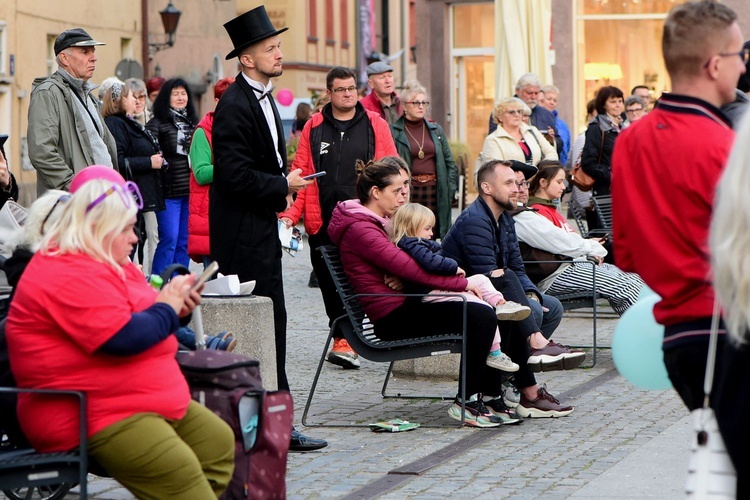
{"x": 307, "y": 202}
{"x": 198, "y": 239}
{"x": 368, "y": 255}
{"x": 372, "y": 103}
{"x": 665, "y": 168}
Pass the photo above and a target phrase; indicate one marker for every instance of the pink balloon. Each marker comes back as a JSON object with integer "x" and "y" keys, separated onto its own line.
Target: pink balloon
{"x": 285, "y": 97}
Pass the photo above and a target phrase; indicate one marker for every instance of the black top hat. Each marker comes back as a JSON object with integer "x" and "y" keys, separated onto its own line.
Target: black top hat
{"x": 252, "y": 26}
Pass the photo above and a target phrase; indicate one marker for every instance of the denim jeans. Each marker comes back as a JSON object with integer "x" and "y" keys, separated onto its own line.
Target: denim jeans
{"x": 550, "y": 320}
{"x": 173, "y": 235}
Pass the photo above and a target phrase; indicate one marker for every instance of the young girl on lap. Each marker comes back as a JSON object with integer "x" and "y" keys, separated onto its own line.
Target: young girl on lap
{"x": 411, "y": 230}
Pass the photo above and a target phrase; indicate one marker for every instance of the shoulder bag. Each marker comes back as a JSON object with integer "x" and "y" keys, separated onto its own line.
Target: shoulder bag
{"x": 710, "y": 470}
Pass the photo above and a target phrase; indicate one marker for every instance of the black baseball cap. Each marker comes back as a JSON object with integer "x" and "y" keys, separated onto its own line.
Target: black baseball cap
{"x": 75, "y": 37}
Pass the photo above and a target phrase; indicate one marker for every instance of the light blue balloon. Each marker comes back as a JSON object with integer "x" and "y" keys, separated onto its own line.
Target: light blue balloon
{"x": 637, "y": 346}
{"x": 645, "y": 292}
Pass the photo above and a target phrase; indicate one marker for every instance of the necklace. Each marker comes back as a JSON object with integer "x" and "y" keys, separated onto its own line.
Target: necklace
{"x": 420, "y": 155}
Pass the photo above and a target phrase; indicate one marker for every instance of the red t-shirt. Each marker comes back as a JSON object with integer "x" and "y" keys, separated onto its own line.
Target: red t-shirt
{"x": 64, "y": 309}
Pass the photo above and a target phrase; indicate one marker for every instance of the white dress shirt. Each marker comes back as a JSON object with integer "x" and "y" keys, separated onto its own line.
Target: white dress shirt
{"x": 265, "y": 104}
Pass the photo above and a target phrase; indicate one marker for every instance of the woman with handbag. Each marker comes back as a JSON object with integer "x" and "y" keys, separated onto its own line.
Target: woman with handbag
{"x": 542, "y": 227}
{"x": 139, "y": 160}
{"x": 603, "y": 130}
{"x": 729, "y": 240}
{"x": 513, "y": 139}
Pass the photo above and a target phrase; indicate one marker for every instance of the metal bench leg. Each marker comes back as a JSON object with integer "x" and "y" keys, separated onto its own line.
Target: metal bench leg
{"x": 317, "y": 376}
{"x": 385, "y": 382}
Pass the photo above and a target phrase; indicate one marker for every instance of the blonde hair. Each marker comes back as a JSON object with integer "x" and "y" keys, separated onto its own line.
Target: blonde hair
{"x": 502, "y": 106}
{"x": 729, "y": 238}
{"x": 43, "y": 213}
{"x": 409, "y": 220}
{"x": 80, "y": 230}
{"x": 411, "y": 89}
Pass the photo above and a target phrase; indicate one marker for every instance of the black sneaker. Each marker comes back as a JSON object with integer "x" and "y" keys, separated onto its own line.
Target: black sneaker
{"x": 498, "y": 408}
{"x": 477, "y": 414}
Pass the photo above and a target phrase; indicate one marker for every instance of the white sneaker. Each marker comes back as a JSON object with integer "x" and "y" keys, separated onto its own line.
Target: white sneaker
{"x": 498, "y": 359}
{"x": 512, "y": 311}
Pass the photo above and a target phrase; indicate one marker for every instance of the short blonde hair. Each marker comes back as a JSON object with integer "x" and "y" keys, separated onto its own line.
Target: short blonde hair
{"x": 411, "y": 89}
{"x": 81, "y": 229}
{"x": 409, "y": 220}
{"x": 502, "y": 106}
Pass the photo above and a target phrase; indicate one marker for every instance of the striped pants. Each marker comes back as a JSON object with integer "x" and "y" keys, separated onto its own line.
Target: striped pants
{"x": 621, "y": 289}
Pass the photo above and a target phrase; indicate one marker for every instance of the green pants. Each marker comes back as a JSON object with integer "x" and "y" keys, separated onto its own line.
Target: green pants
{"x": 191, "y": 458}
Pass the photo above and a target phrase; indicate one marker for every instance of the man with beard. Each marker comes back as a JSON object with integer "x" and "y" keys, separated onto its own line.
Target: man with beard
{"x": 332, "y": 141}
{"x": 382, "y": 99}
{"x": 483, "y": 241}
{"x": 250, "y": 185}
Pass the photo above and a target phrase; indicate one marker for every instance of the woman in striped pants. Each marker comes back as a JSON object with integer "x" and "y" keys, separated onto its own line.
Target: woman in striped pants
{"x": 542, "y": 227}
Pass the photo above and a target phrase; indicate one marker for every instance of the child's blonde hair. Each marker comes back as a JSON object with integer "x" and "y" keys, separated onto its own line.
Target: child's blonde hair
{"x": 409, "y": 220}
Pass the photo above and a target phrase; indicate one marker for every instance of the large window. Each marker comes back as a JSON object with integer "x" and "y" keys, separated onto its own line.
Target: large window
{"x": 619, "y": 43}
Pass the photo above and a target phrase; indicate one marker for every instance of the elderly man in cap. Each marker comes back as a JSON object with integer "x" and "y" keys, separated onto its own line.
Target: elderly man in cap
{"x": 66, "y": 132}
{"x": 250, "y": 186}
{"x": 382, "y": 99}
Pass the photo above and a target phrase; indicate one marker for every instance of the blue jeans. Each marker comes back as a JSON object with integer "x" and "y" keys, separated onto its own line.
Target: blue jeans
{"x": 550, "y": 320}
{"x": 173, "y": 235}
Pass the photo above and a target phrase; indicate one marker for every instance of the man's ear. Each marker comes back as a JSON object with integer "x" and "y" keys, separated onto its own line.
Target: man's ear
{"x": 247, "y": 60}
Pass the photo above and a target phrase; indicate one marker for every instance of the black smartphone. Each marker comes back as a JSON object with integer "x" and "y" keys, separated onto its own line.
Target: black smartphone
{"x": 313, "y": 176}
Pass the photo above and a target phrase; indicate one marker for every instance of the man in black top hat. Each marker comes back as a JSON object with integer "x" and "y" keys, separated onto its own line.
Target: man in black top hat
{"x": 250, "y": 183}
{"x": 8, "y": 184}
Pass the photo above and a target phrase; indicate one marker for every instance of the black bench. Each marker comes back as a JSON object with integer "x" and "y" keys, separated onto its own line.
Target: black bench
{"x": 359, "y": 332}
{"x": 22, "y": 468}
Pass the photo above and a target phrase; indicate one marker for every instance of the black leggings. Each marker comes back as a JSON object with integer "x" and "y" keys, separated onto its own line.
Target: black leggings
{"x": 331, "y": 300}
{"x": 415, "y": 318}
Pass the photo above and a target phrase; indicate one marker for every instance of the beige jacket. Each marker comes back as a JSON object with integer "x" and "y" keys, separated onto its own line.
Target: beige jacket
{"x": 499, "y": 145}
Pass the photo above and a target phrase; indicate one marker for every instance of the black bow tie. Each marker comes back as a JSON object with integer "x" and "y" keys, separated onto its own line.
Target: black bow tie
{"x": 263, "y": 95}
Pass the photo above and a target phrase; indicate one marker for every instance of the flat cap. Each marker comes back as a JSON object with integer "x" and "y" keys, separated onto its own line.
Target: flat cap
{"x": 377, "y": 68}
{"x": 75, "y": 37}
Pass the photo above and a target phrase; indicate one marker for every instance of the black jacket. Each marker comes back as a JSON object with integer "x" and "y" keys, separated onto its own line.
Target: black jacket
{"x": 134, "y": 151}
{"x": 596, "y": 158}
{"x": 176, "y": 176}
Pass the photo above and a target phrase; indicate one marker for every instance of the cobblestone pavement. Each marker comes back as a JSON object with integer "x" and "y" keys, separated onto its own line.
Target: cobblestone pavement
{"x": 620, "y": 442}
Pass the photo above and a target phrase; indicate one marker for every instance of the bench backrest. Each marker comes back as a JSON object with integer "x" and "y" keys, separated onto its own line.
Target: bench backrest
{"x": 603, "y": 206}
{"x": 360, "y": 332}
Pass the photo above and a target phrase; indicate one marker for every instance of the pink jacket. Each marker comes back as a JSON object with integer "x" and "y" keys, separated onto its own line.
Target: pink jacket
{"x": 368, "y": 255}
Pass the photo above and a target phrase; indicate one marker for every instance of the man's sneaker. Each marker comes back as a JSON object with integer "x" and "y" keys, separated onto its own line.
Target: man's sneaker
{"x": 555, "y": 356}
{"x": 498, "y": 408}
{"x": 511, "y": 395}
{"x": 512, "y": 311}
{"x": 477, "y": 414}
{"x": 545, "y": 405}
{"x": 498, "y": 359}
{"x": 343, "y": 355}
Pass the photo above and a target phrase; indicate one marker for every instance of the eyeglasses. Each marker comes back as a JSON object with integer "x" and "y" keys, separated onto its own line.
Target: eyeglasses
{"x": 62, "y": 199}
{"x": 514, "y": 111}
{"x": 419, "y": 104}
{"x": 634, "y": 110}
{"x": 743, "y": 54}
{"x": 523, "y": 185}
{"x": 129, "y": 194}
{"x": 141, "y": 97}
{"x": 341, "y": 90}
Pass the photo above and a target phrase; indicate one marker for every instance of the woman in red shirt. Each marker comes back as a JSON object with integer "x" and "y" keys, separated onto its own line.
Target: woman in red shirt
{"x": 84, "y": 318}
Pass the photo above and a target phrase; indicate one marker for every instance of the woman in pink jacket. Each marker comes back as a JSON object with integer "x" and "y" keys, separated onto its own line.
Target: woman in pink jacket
{"x": 358, "y": 228}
